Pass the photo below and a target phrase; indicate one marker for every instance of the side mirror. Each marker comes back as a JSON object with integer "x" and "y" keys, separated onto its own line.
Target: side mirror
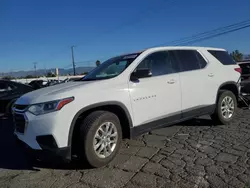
{"x": 134, "y": 78}
{"x": 140, "y": 73}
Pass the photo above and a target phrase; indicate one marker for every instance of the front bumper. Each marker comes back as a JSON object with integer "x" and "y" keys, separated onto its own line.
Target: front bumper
{"x": 44, "y": 135}
{"x": 62, "y": 154}
{"x": 28, "y": 127}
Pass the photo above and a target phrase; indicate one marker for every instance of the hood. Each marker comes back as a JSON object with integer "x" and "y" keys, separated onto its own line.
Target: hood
{"x": 51, "y": 93}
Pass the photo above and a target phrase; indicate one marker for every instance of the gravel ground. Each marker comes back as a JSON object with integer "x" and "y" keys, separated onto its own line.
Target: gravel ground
{"x": 192, "y": 154}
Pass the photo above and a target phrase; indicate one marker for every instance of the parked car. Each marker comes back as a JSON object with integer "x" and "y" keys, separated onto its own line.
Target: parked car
{"x": 245, "y": 67}
{"x": 71, "y": 79}
{"x": 37, "y": 84}
{"x": 127, "y": 96}
{"x": 9, "y": 92}
{"x": 53, "y": 82}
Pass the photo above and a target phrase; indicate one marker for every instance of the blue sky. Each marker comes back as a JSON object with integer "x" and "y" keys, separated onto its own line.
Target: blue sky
{"x": 42, "y": 31}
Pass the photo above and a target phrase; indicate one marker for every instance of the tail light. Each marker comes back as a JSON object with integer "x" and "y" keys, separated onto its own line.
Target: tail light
{"x": 239, "y": 70}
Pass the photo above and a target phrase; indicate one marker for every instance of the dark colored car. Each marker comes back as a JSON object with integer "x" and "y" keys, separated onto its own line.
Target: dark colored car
{"x": 9, "y": 92}
{"x": 53, "y": 82}
{"x": 37, "y": 84}
{"x": 245, "y": 69}
{"x": 71, "y": 79}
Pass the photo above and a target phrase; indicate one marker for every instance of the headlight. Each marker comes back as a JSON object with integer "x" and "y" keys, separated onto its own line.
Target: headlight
{"x": 47, "y": 107}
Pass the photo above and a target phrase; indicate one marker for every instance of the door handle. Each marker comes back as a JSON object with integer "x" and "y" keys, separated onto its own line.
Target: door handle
{"x": 211, "y": 75}
{"x": 172, "y": 81}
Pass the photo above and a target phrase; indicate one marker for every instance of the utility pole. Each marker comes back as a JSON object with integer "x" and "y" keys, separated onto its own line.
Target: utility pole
{"x": 73, "y": 59}
{"x": 45, "y": 69}
{"x": 35, "y": 67}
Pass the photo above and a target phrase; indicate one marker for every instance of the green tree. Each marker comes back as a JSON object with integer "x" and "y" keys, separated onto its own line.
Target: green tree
{"x": 29, "y": 76}
{"x": 97, "y": 63}
{"x": 8, "y": 78}
{"x": 50, "y": 74}
{"x": 237, "y": 56}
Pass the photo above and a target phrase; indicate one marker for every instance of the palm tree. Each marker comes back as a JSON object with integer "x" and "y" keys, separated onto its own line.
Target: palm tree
{"x": 237, "y": 56}
{"x": 97, "y": 63}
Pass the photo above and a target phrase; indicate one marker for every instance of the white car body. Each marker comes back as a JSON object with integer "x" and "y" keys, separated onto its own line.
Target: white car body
{"x": 178, "y": 96}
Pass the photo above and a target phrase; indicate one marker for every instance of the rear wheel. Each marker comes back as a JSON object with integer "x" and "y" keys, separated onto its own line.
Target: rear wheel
{"x": 226, "y": 108}
{"x": 101, "y": 136}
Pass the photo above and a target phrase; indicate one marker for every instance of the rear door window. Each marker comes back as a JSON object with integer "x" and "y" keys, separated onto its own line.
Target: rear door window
{"x": 223, "y": 57}
{"x": 189, "y": 60}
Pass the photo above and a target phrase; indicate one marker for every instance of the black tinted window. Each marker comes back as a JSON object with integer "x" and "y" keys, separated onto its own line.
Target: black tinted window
{"x": 160, "y": 63}
{"x": 201, "y": 60}
{"x": 188, "y": 60}
{"x": 245, "y": 68}
{"x": 223, "y": 57}
{"x": 4, "y": 87}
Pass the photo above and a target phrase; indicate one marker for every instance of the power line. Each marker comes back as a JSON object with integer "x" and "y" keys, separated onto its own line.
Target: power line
{"x": 142, "y": 15}
{"x": 210, "y": 31}
{"x": 192, "y": 39}
{"x": 216, "y": 35}
{"x": 200, "y": 36}
{"x": 204, "y": 35}
{"x": 214, "y": 32}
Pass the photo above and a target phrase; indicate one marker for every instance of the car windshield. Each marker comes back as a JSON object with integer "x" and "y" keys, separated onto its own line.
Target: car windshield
{"x": 111, "y": 68}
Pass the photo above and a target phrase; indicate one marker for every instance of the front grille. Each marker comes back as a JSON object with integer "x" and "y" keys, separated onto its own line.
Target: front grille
{"x": 20, "y": 107}
{"x": 19, "y": 122}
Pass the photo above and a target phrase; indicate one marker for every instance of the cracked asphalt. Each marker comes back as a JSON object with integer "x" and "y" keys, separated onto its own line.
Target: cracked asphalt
{"x": 192, "y": 154}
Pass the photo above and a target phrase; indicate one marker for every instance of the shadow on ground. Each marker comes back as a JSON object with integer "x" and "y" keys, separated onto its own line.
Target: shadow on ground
{"x": 11, "y": 157}
{"x": 199, "y": 122}
{"x": 14, "y": 157}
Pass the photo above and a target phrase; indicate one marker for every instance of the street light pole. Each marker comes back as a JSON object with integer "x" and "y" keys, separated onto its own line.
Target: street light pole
{"x": 35, "y": 67}
{"x": 73, "y": 59}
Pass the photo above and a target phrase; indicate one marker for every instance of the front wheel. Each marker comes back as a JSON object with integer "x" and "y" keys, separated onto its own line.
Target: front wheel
{"x": 101, "y": 136}
{"x": 226, "y": 108}
{"x": 9, "y": 107}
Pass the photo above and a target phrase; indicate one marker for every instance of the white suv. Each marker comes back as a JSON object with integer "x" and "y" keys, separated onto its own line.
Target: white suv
{"x": 126, "y": 96}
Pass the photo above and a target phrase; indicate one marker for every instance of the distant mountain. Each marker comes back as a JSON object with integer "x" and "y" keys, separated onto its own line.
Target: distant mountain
{"x": 246, "y": 56}
{"x": 41, "y": 72}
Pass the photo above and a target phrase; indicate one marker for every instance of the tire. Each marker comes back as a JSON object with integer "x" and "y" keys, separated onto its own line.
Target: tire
{"x": 218, "y": 116}
{"x": 2, "y": 106}
{"x": 9, "y": 105}
{"x": 88, "y": 130}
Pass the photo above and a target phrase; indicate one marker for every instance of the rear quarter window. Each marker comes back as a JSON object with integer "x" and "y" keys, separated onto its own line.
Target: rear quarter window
{"x": 223, "y": 57}
{"x": 190, "y": 60}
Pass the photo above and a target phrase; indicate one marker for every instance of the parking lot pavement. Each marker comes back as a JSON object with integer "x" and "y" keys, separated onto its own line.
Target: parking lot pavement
{"x": 192, "y": 154}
